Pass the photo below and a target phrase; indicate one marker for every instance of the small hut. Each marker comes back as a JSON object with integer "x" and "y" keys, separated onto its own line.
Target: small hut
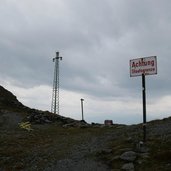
{"x": 108, "y": 122}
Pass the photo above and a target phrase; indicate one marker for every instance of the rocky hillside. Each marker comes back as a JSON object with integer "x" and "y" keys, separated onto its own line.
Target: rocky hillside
{"x": 8, "y": 100}
{"x": 12, "y": 112}
{"x": 33, "y": 140}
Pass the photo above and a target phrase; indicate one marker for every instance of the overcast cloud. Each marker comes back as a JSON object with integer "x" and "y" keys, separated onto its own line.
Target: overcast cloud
{"x": 96, "y": 39}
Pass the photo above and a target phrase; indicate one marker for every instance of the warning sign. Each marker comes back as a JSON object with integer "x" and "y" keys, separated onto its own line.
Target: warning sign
{"x": 146, "y": 65}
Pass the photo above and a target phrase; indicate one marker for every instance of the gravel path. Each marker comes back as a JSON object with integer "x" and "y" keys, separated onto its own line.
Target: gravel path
{"x": 79, "y": 160}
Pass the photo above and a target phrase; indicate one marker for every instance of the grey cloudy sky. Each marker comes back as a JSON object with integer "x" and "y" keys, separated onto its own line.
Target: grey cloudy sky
{"x": 96, "y": 38}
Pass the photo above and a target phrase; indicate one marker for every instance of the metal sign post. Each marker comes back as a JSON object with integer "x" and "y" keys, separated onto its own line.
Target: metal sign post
{"x": 142, "y": 67}
{"x": 144, "y": 107}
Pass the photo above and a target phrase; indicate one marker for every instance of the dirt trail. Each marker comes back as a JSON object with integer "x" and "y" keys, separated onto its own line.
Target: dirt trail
{"x": 80, "y": 158}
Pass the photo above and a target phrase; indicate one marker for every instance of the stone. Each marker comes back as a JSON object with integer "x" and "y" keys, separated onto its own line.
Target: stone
{"x": 129, "y": 139}
{"x": 141, "y": 147}
{"x": 107, "y": 151}
{"x": 114, "y": 159}
{"x": 129, "y": 156}
{"x": 144, "y": 155}
{"x": 128, "y": 167}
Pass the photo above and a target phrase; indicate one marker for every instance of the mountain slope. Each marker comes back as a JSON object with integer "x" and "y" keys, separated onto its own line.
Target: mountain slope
{"x": 59, "y": 143}
{"x": 8, "y": 100}
{"x": 13, "y": 112}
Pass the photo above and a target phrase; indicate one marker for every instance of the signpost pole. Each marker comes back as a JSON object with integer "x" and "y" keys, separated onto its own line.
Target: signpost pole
{"x": 144, "y": 106}
{"x": 82, "y": 109}
{"x": 142, "y": 67}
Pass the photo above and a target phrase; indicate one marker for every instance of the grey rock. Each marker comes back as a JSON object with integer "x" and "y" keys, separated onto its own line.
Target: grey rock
{"x": 144, "y": 155}
{"x": 141, "y": 147}
{"x": 114, "y": 159}
{"x": 139, "y": 162}
{"x": 129, "y": 139}
{"x": 128, "y": 167}
{"x": 47, "y": 121}
{"x": 107, "y": 151}
{"x": 129, "y": 156}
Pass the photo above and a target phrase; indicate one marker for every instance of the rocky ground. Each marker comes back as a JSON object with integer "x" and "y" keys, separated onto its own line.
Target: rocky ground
{"x": 54, "y": 142}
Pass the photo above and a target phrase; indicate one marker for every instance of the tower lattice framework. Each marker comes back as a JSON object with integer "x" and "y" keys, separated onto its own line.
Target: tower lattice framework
{"x": 55, "y": 92}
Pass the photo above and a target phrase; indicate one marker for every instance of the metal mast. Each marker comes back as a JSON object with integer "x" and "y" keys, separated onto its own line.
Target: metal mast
{"x": 55, "y": 93}
{"x": 82, "y": 109}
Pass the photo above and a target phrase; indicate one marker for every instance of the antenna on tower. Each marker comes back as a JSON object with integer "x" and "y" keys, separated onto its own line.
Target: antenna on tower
{"x": 55, "y": 92}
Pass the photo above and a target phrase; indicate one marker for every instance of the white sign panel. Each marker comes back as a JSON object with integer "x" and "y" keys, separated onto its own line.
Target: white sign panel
{"x": 146, "y": 65}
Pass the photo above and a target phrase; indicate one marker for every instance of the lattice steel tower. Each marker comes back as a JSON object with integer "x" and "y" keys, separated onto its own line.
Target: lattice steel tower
{"x": 55, "y": 93}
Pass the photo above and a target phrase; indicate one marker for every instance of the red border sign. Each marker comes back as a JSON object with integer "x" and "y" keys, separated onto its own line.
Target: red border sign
{"x": 145, "y": 65}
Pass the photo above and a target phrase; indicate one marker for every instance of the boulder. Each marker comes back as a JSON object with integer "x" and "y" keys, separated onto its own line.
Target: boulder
{"x": 129, "y": 156}
{"x": 128, "y": 167}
